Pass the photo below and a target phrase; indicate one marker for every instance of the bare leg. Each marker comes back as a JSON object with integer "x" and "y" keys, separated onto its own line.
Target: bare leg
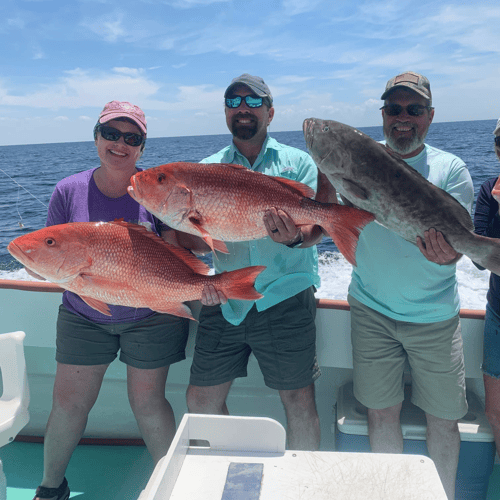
{"x": 75, "y": 391}
{"x": 492, "y": 390}
{"x": 154, "y": 415}
{"x": 303, "y": 432}
{"x": 209, "y": 400}
{"x": 443, "y": 443}
{"x": 384, "y": 429}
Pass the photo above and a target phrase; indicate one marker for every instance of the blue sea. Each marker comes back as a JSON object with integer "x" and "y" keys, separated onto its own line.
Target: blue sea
{"x": 29, "y": 173}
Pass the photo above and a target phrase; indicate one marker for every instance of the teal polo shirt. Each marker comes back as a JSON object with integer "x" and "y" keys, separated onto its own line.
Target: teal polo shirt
{"x": 288, "y": 271}
{"x": 392, "y": 276}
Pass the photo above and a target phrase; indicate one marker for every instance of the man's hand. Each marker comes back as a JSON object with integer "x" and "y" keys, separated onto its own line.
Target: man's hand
{"x": 212, "y": 297}
{"x": 436, "y": 249}
{"x": 280, "y": 227}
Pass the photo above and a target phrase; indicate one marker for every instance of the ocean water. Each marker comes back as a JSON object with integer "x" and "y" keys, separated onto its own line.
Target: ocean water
{"x": 29, "y": 173}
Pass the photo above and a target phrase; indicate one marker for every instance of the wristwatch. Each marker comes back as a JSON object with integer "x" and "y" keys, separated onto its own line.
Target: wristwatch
{"x": 299, "y": 241}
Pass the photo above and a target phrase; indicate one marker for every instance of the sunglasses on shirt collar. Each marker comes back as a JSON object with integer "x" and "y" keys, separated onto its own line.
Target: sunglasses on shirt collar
{"x": 113, "y": 134}
{"x": 251, "y": 101}
{"x": 411, "y": 109}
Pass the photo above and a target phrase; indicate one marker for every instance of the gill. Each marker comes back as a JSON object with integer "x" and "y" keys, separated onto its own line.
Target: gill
{"x": 21, "y": 224}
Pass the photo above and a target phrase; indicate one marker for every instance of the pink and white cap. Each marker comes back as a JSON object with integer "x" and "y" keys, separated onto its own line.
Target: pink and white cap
{"x": 118, "y": 109}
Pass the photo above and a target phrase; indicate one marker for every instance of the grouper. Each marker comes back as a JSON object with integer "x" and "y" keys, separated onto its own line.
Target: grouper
{"x": 369, "y": 176}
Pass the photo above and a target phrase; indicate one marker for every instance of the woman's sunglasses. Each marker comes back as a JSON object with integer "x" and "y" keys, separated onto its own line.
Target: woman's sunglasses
{"x": 251, "y": 101}
{"x": 411, "y": 109}
{"x": 113, "y": 134}
{"x": 497, "y": 141}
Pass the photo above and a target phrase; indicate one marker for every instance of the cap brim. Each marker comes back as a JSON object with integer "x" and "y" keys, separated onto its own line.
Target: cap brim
{"x": 112, "y": 116}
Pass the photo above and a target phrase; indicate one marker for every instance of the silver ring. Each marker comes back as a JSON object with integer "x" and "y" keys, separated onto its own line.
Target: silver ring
{"x": 274, "y": 230}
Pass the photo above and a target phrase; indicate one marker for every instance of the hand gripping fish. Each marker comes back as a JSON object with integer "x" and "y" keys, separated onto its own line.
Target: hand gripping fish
{"x": 402, "y": 200}
{"x": 125, "y": 264}
{"x": 224, "y": 202}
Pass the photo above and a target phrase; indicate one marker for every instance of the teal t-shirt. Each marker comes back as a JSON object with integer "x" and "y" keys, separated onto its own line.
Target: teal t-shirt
{"x": 288, "y": 271}
{"x": 392, "y": 276}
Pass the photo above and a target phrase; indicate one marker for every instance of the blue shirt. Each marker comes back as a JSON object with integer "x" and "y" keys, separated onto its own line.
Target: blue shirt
{"x": 288, "y": 271}
{"x": 392, "y": 275}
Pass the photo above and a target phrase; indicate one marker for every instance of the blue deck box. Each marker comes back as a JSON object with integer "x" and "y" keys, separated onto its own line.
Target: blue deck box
{"x": 477, "y": 448}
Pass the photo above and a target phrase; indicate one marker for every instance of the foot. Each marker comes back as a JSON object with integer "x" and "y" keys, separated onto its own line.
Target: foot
{"x": 60, "y": 493}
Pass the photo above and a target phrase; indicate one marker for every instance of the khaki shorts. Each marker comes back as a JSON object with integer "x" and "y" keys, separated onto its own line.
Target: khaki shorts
{"x": 434, "y": 352}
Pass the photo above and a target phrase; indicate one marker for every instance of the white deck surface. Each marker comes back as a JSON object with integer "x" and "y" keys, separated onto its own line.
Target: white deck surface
{"x": 200, "y": 473}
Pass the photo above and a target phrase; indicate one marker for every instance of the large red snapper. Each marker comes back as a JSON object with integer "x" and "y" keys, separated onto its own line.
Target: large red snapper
{"x": 224, "y": 202}
{"x": 124, "y": 264}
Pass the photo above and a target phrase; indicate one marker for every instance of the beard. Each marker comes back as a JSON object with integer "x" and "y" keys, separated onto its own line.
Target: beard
{"x": 244, "y": 132}
{"x": 404, "y": 145}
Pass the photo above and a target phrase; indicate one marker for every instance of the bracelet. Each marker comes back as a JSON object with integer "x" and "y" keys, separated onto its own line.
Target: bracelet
{"x": 299, "y": 241}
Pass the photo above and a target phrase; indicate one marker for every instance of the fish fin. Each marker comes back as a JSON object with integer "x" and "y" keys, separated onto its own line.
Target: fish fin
{"x": 98, "y": 305}
{"x": 390, "y": 151}
{"x": 344, "y": 225}
{"x": 295, "y": 186}
{"x": 239, "y": 284}
{"x": 176, "y": 309}
{"x": 182, "y": 253}
{"x": 355, "y": 189}
{"x": 197, "y": 224}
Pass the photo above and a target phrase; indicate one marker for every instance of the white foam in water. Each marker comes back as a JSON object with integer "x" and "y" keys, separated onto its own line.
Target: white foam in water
{"x": 335, "y": 274}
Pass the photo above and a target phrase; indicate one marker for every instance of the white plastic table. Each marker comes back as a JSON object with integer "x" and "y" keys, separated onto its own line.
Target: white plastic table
{"x": 253, "y": 451}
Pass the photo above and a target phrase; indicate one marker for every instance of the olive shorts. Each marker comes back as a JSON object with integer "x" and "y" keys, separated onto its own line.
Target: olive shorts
{"x": 434, "y": 352}
{"x": 156, "y": 341}
{"x": 282, "y": 338}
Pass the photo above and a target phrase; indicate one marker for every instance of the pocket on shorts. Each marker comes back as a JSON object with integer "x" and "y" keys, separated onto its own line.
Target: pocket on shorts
{"x": 211, "y": 328}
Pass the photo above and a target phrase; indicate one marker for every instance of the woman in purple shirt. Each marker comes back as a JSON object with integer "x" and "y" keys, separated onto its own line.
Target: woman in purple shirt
{"x": 487, "y": 223}
{"x": 88, "y": 341}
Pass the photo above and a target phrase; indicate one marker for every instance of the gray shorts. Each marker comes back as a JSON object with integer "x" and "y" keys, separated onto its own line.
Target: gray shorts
{"x": 282, "y": 338}
{"x": 153, "y": 342}
{"x": 380, "y": 348}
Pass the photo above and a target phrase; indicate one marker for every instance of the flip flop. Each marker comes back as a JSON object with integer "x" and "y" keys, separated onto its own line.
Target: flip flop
{"x": 60, "y": 493}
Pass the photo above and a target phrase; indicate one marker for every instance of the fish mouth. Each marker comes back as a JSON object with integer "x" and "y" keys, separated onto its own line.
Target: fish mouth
{"x": 308, "y": 129}
{"x": 132, "y": 189}
{"x": 18, "y": 253}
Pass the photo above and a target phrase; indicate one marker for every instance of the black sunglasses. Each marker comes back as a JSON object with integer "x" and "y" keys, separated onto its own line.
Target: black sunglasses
{"x": 113, "y": 134}
{"x": 251, "y": 101}
{"x": 497, "y": 141}
{"x": 411, "y": 109}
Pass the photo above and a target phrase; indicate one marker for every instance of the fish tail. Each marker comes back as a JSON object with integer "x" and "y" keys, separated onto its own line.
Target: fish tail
{"x": 344, "y": 225}
{"x": 487, "y": 253}
{"x": 239, "y": 284}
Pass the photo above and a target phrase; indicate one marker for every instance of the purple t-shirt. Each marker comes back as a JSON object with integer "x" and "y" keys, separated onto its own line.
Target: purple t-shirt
{"x": 77, "y": 199}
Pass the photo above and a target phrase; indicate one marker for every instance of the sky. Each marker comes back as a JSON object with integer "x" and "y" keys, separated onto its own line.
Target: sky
{"x": 62, "y": 61}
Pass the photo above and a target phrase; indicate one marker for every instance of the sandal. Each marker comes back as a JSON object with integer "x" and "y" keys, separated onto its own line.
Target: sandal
{"x": 60, "y": 493}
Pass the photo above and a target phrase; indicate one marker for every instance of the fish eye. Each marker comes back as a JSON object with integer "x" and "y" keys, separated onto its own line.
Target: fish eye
{"x": 161, "y": 177}
{"x": 326, "y": 128}
{"x": 50, "y": 242}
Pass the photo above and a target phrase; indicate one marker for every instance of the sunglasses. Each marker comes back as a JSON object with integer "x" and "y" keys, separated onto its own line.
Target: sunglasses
{"x": 251, "y": 101}
{"x": 497, "y": 141}
{"x": 411, "y": 109}
{"x": 113, "y": 134}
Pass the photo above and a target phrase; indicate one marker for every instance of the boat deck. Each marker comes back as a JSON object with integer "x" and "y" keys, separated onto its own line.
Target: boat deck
{"x": 97, "y": 472}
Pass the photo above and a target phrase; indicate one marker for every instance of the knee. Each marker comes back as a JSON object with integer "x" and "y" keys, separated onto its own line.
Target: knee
{"x": 384, "y": 416}
{"x": 299, "y": 399}
{"x": 199, "y": 400}
{"x": 73, "y": 405}
{"x": 493, "y": 416}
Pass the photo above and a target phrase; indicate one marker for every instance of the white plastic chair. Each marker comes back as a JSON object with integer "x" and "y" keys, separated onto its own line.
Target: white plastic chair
{"x": 15, "y": 396}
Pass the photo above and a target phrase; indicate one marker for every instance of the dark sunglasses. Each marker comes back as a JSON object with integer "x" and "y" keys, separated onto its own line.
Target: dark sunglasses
{"x": 251, "y": 101}
{"x": 497, "y": 141}
{"x": 113, "y": 134}
{"x": 411, "y": 109}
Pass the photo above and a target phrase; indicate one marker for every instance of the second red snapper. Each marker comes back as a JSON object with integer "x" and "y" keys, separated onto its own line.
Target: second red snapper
{"x": 124, "y": 264}
{"x": 224, "y": 202}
